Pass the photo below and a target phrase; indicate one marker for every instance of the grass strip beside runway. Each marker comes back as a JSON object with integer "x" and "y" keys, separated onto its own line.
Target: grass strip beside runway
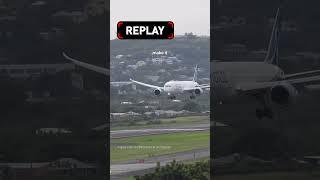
{"x": 137, "y": 148}
{"x": 164, "y": 122}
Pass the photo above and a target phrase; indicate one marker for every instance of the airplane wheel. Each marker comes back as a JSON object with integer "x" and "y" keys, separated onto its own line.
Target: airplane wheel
{"x": 192, "y": 97}
{"x": 259, "y": 114}
{"x": 172, "y": 97}
{"x": 268, "y": 113}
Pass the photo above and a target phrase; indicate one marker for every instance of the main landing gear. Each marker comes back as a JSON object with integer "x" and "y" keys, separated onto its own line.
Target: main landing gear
{"x": 172, "y": 97}
{"x": 266, "y": 111}
{"x": 192, "y": 97}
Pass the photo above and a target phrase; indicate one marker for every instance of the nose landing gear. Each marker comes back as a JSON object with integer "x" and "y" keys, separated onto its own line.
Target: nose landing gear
{"x": 260, "y": 113}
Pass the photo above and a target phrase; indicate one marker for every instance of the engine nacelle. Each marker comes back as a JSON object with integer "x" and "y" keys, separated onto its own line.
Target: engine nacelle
{"x": 157, "y": 92}
{"x": 198, "y": 91}
{"x": 283, "y": 93}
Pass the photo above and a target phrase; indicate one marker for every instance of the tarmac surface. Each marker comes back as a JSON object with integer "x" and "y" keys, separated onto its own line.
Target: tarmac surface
{"x": 131, "y": 168}
{"x": 144, "y": 132}
{"x": 142, "y": 166}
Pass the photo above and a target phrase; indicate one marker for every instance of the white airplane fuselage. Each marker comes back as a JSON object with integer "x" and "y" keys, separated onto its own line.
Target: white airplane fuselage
{"x": 173, "y": 88}
{"x": 177, "y": 87}
{"x": 226, "y": 76}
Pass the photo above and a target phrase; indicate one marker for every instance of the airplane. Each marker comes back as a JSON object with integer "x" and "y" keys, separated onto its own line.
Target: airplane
{"x": 172, "y": 88}
{"x": 265, "y": 81}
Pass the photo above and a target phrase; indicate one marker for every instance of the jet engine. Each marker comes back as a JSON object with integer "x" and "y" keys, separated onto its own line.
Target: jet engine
{"x": 283, "y": 93}
{"x": 198, "y": 91}
{"x": 157, "y": 92}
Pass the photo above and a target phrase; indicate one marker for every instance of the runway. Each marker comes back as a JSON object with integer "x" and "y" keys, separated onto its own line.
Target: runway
{"x": 143, "y": 132}
{"x": 131, "y": 168}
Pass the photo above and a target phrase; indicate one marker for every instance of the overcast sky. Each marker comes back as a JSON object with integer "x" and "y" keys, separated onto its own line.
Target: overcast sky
{"x": 188, "y": 15}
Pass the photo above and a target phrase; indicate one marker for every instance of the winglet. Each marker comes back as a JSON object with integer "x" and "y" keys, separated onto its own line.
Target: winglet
{"x": 65, "y": 55}
{"x": 98, "y": 69}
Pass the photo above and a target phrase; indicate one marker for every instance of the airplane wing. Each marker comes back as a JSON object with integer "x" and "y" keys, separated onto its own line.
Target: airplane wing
{"x": 192, "y": 89}
{"x": 298, "y": 82}
{"x": 87, "y": 66}
{"x": 146, "y": 85}
{"x": 205, "y": 86}
{"x": 189, "y": 89}
{"x": 302, "y": 74}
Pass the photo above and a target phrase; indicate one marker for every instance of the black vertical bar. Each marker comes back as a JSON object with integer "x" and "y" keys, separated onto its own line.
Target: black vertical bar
{"x": 108, "y": 90}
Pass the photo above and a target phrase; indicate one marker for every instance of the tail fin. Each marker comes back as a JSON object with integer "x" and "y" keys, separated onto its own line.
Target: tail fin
{"x": 195, "y": 74}
{"x": 273, "y": 54}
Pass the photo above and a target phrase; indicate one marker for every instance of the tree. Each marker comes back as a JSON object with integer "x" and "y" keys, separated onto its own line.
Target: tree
{"x": 12, "y": 95}
{"x": 179, "y": 171}
{"x": 192, "y": 106}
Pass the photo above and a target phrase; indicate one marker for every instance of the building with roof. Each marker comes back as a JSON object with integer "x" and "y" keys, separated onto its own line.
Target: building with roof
{"x": 59, "y": 167}
{"x": 27, "y": 70}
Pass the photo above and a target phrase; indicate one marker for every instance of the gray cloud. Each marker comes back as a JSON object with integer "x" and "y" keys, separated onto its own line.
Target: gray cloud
{"x": 188, "y": 15}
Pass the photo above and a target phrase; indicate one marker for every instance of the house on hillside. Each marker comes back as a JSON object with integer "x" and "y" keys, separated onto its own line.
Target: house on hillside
{"x": 60, "y": 167}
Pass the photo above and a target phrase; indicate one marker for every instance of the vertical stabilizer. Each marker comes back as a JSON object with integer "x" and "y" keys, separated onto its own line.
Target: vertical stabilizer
{"x": 273, "y": 48}
{"x": 195, "y": 75}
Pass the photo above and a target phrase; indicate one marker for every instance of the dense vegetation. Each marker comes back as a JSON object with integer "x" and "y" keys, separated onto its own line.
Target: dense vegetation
{"x": 179, "y": 171}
